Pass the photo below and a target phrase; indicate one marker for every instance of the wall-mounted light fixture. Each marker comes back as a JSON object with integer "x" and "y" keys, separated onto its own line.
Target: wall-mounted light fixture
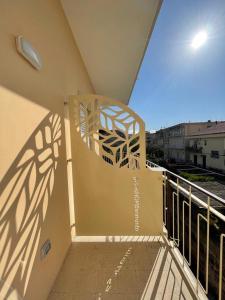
{"x": 28, "y": 52}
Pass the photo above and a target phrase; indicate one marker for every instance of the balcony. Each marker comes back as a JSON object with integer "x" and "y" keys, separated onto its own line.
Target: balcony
{"x": 138, "y": 231}
{"x": 184, "y": 260}
{"x": 87, "y": 219}
{"x": 194, "y": 149}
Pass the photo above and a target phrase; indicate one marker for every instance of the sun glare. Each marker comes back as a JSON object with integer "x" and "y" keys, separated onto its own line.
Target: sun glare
{"x": 199, "y": 39}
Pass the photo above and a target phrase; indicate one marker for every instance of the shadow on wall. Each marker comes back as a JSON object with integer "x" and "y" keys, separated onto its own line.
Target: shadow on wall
{"x": 25, "y": 193}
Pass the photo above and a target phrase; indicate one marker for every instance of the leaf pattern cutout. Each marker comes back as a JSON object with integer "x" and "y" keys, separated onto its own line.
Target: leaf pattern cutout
{"x": 110, "y": 129}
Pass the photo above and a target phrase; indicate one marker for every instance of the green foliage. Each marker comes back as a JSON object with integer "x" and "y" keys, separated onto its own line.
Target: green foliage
{"x": 154, "y": 152}
{"x": 193, "y": 177}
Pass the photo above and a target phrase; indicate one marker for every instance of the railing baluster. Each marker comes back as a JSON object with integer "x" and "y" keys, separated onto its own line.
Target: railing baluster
{"x": 175, "y": 240}
{"x": 178, "y": 214}
{"x": 207, "y": 220}
{"x": 183, "y": 232}
{"x": 198, "y": 246}
{"x": 165, "y": 199}
{"x": 190, "y": 219}
{"x": 222, "y": 236}
{"x": 197, "y": 275}
{"x": 184, "y": 259}
{"x": 173, "y": 219}
{"x": 207, "y": 245}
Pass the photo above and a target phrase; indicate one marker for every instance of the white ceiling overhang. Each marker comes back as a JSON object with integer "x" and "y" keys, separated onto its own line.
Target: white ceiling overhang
{"x": 112, "y": 36}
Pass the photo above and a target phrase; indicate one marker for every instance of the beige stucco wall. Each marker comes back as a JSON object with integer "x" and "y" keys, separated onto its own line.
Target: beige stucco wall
{"x": 34, "y": 197}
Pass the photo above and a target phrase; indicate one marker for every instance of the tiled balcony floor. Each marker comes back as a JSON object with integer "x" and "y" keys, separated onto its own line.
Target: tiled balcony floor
{"x": 120, "y": 271}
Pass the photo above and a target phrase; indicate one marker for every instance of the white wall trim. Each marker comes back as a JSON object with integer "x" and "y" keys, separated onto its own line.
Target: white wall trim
{"x": 117, "y": 238}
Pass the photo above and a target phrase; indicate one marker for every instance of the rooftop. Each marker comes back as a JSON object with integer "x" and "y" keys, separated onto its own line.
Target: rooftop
{"x": 191, "y": 123}
{"x": 214, "y": 129}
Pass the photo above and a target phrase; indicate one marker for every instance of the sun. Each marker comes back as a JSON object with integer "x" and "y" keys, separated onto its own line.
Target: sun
{"x": 199, "y": 39}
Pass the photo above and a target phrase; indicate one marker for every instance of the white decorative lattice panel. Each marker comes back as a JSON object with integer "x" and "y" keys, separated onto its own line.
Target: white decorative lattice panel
{"x": 110, "y": 129}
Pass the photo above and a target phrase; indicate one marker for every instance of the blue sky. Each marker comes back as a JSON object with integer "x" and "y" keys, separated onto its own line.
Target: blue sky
{"x": 177, "y": 83}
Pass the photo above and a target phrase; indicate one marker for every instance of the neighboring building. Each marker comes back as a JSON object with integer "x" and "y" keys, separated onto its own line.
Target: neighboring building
{"x": 152, "y": 148}
{"x": 153, "y": 141}
{"x": 159, "y": 139}
{"x": 207, "y": 147}
{"x": 149, "y": 140}
{"x": 173, "y": 141}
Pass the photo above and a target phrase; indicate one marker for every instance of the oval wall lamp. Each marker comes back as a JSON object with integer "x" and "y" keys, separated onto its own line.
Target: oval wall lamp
{"x": 28, "y": 52}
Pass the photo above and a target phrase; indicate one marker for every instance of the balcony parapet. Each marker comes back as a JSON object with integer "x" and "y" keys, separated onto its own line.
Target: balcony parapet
{"x": 110, "y": 177}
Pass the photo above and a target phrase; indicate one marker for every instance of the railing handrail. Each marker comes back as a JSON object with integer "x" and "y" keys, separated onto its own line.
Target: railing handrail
{"x": 199, "y": 201}
{"x": 215, "y": 197}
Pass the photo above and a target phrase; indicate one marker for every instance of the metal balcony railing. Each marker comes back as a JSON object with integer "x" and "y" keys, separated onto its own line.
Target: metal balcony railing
{"x": 194, "y": 149}
{"x": 195, "y": 223}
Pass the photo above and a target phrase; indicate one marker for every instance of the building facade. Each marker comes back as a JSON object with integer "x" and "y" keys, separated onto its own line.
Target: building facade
{"x": 207, "y": 147}
{"x": 173, "y": 141}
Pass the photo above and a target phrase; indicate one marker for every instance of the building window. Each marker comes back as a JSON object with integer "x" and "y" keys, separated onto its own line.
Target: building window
{"x": 214, "y": 154}
{"x": 205, "y": 142}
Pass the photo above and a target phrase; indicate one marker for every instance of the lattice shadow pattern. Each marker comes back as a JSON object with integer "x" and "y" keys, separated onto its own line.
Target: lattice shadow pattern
{"x": 25, "y": 192}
